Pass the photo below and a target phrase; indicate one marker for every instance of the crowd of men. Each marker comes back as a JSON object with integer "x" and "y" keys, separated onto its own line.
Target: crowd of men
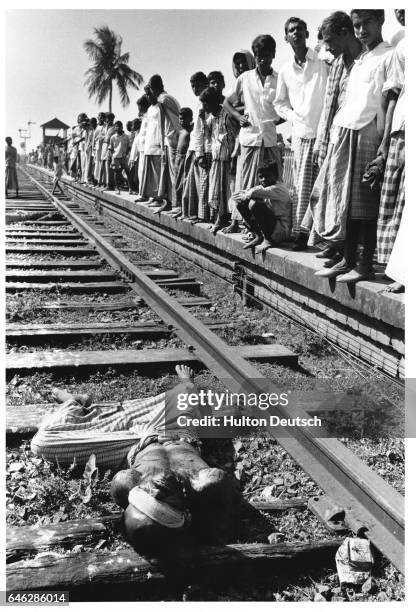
{"x": 222, "y": 161}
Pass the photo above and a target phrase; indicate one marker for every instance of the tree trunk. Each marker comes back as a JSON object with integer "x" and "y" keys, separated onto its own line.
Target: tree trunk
{"x": 110, "y": 98}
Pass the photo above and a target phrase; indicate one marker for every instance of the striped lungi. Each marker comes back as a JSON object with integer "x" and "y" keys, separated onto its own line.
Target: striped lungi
{"x": 179, "y": 177}
{"x": 149, "y": 187}
{"x": 339, "y": 192}
{"x": 219, "y": 186}
{"x": 203, "y": 207}
{"x": 304, "y": 175}
{"x": 190, "y": 196}
{"x": 167, "y": 176}
{"x": 397, "y": 264}
{"x": 72, "y": 433}
{"x": 392, "y": 198}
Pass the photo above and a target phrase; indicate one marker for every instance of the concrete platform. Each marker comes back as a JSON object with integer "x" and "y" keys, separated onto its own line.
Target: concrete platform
{"x": 361, "y": 318}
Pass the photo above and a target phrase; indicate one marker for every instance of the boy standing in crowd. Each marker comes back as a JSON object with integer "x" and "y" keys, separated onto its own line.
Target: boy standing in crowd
{"x": 217, "y": 81}
{"x": 105, "y": 156}
{"x": 299, "y": 99}
{"x": 185, "y": 118}
{"x": 222, "y": 129}
{"x": 190, "y": 197}
{"x": 118, "y": 149}
{"x": 98, "y": 143}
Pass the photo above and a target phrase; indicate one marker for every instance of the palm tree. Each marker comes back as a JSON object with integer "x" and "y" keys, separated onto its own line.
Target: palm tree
{"x": 109, "y": 65}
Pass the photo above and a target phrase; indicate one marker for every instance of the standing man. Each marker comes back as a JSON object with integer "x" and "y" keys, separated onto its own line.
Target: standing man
{"x": 299, "y": 99}
{"x": 97, "y": 146}
{"x": 169, "y": 128}
{"x": 256, "y": 91}
{"x": 11, "y": 174}
{"x": 344, "y": 206}
{"x": 105, "y": 153}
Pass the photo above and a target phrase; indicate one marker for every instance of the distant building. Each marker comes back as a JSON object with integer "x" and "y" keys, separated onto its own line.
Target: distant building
{"x": 54, "y": 131}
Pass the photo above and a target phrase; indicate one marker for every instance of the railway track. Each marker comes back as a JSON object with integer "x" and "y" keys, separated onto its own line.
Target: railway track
{"x": 70, "y": 251}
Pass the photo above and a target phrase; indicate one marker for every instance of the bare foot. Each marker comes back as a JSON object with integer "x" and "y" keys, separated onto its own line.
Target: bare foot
{"x": 394, "y": 288}
{"x": 216, "y": 228}
{"x": 233, "y": 228}
{"x": 253, "y": 243}
{"x": 184, "y": 372}
{"x": 266, "y": 244}
{"x": 61, "y": 395}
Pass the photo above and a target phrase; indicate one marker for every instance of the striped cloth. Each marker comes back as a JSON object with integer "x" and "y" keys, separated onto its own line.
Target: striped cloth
{"x": 392, "y": 198}
{"x": 203, "y": 207}
{"x": 190, "y": 196}
{"x": 219, "y": 187}
{"x": 110, "y": 431}
{"x": 304, "y": 174}
{"x": 339, "y": 192}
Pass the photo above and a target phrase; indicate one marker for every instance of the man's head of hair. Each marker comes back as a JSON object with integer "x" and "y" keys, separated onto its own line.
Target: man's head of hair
{"x": 118, "y": 124}
{"x": 376, "y": 13}
{"x": 216, "y": 75}
{"x": 143, "y": 103}
{"x": 109, "y": 117}
{"x": 211, "y": 98}
{"x": 156, "y": 84}
{"x": 135, "y": 124}
{"x": 9, "y": 140}
{"x": 336, "y": 22}
{"x": 128, "y": 125}
{"x": 263, "y": 43}
{"x": 295, "y": 20}
{"x": 200, "y": 78}
{"x": 186, "y": 114}
{"x": 93, "y": 122}
{"x": 269, "y": 170}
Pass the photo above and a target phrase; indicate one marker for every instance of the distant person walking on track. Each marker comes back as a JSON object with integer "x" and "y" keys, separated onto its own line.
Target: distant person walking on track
{"x": 118, "y": 148}
{"x": 58, "y": 171}
{"x": 11, "y": 174}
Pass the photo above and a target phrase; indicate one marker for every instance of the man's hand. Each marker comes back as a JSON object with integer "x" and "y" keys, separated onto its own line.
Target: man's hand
{"x": 201, "y": 162}
{"x": 383, "y": 150}
{"x": 244, "y": 122}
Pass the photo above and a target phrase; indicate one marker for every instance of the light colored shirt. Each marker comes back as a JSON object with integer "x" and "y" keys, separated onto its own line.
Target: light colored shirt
{"x": 119, "y": 145}
{"x": 277, "y": 198}
{"x": 11, "y": 156}
{"x": 196, "y": 141}
{"x": 363, "y": 100}
{"x": 134, "y": 151}
{"x": 300, "y": 94}
{"x": 142, "y": 134}
{"x": 223, "y": 130}
{"x": 98, "y": 140}
{"x": 395, "y": 81}
{"x": 170, "y": 113}
{"x": 108, "y": 132}
{"x": 153, "y": 138}
{"x": 258, "y": 102}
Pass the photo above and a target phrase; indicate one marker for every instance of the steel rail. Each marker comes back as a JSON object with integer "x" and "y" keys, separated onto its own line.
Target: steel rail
{"x": 372, "y": 507}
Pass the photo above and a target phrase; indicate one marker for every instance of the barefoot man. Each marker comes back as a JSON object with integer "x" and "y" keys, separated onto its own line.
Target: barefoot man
{"x": 168, "y": 493}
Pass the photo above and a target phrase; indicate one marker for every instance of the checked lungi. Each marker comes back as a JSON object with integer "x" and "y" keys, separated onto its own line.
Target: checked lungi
{"x": 190, "y": 197}
{"x": 339, "y": 192}
{"x": 392, "y": 198}
{"x": 109, "y": 430}
{"x": 203, "y": 206}
{"x": 219, "y": 186}
{"x": 304, "y": 175}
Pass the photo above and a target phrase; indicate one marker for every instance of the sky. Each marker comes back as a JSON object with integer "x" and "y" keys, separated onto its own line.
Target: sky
{"x": 46, "y": 62}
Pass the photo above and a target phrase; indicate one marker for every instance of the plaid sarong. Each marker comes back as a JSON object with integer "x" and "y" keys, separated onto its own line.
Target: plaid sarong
{"x": 392, "y": 198}
{"x": 305, "y": 173}
{"x": 109, "y": 430}
{"x": 339, "y": 192}
{"x": 219, "y": 186}
{"x": 190, "y": 197}
{"x": 203, "y": 206}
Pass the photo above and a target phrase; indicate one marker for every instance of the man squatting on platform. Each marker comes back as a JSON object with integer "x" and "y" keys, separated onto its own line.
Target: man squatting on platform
{"x": 169, "y": 494}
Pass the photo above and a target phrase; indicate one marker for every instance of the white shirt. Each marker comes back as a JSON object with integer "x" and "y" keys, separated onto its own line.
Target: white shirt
{"x": 300, "y": 94}
{"x": 153, "y": 138}
{"x": 119, "y": 145}
{"x": 171, "y": 126}
{"x": 364, "y": 93}
{"x": 258, "y": 103}
{"x": 134, "y": 151}
{"x": 396, "y": 81}
{"x": 196, "y": 139}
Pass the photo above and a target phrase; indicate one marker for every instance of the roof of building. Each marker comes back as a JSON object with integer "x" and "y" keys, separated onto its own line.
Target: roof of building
{"x": 55, "y": 124}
